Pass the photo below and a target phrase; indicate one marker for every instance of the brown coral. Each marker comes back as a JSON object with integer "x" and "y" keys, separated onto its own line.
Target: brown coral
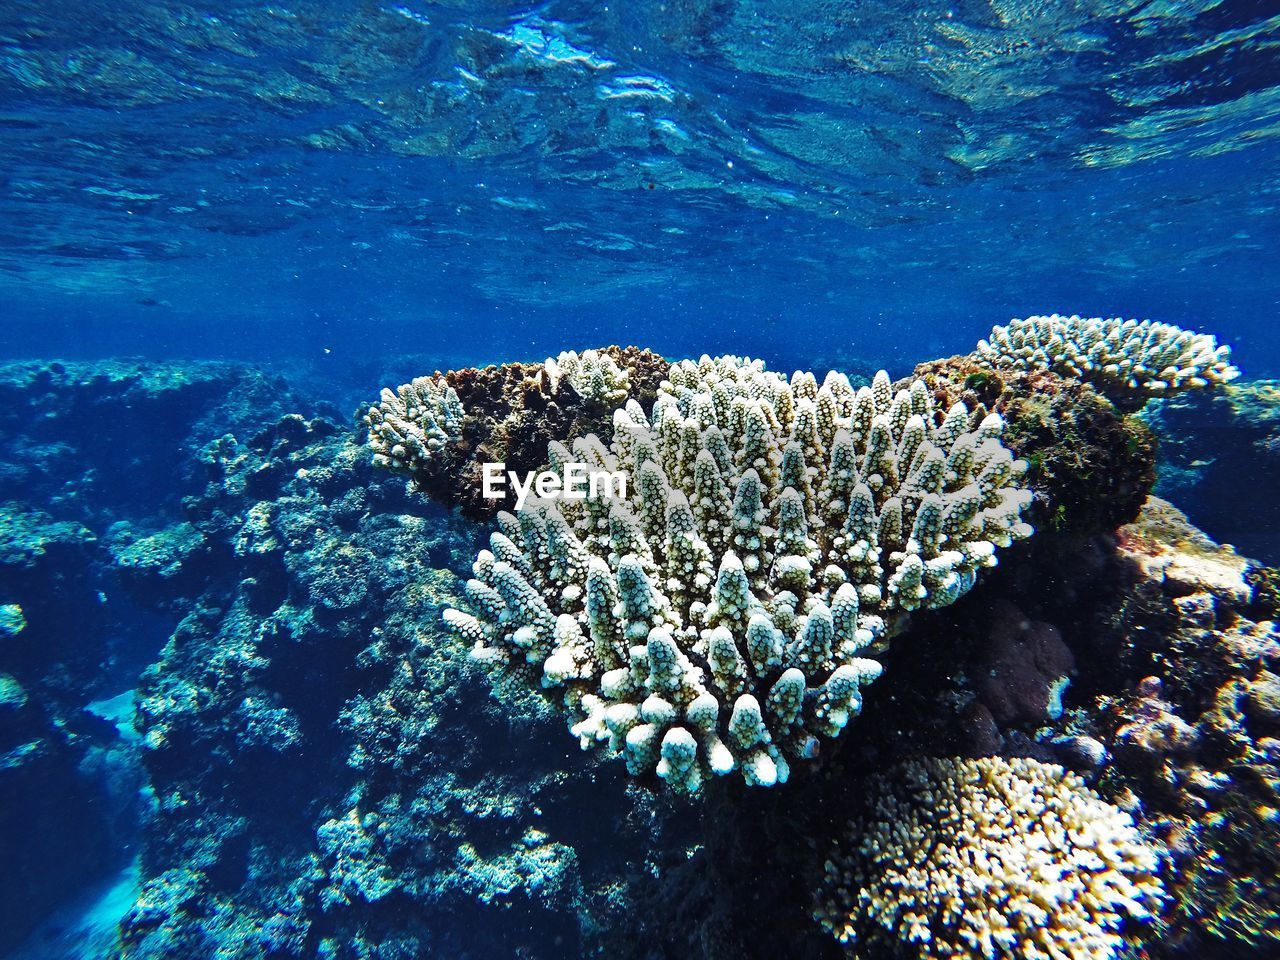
{"x": 511, "y": 412}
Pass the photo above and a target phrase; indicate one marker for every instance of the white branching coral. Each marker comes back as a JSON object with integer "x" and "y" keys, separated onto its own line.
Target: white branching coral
{"x": 988, "y": 858}
{"x": 718, "y": 618}
{"x": 411, "y": 424}
{"x": 1125, "y": 359}
{"x": 592, "y": 375}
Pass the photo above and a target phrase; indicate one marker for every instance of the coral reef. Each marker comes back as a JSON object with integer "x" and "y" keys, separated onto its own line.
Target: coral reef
{"x": 330, "y": 779}
{"x": 990, "y": 857}
{"x": 148, "y": 562}
{"x": 1127, "y": 360}
{"x": 1090, "y": 466}
{"x": 12, "y": 621}
{"x": 502, "y": 414}
{"x": 1116, "y": 605}
{"x": 1197, "y": 737}
{"x": 715, "y": 619}
{"x": 94, "y": 461}
{"x": 60, "y": 827}
{"x": 56, "y": 636}
{"x": 409, "y": 426}
{"x": 1168, "y": 713}
{"x": 328, "y": 774}
{"x": 80, "y": 438}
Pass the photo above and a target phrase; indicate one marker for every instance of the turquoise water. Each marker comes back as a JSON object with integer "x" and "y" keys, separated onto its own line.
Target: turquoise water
{"x": 233, "y": 723}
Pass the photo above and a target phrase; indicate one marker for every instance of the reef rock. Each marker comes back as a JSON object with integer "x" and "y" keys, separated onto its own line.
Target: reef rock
{"x": 1090, "y": 465}
{"x": 1023, "y": 668}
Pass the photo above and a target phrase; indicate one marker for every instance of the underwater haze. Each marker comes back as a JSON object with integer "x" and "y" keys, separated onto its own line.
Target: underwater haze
{"x": 959, "y": 642}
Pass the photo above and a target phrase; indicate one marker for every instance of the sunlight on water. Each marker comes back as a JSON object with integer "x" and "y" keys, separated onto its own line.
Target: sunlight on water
{"x": 858, "y": 164}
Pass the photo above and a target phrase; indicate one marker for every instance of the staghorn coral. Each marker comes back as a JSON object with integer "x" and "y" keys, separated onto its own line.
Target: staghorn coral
{"x": 409, "y": 426}
{"x": 593, "y": 375}
{"x": 989, "y": 857}
{"x": 715, "y": 618}
{"x": 508, "y": 414}
{"x": 1127, "y": 360}
{"x": 1091, "y": 467}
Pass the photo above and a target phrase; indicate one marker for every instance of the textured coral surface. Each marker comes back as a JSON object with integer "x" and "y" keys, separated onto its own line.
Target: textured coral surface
{"x": 1128, "y": 360}
{"x": 986, "y": 858}
{"x": 715, "y": 619}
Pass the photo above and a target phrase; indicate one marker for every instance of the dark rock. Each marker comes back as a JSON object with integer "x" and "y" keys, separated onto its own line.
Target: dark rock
{"x": 1023, "y": 668}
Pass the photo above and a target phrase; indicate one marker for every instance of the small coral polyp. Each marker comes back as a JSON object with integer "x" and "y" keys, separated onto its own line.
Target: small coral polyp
{"x": 721, "y": 617}
{"x": 1128, "y": 360}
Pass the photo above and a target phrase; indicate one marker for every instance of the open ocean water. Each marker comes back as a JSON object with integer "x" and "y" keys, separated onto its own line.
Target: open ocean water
{"x": 845, "y": 672}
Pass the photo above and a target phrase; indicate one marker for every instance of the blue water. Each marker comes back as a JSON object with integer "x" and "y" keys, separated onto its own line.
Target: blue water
{"x": 791, "y": 180}
{"x": 204, "y": 740}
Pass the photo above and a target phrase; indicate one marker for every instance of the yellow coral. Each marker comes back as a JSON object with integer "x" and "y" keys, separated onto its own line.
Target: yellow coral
{"x": 989, "y": 858}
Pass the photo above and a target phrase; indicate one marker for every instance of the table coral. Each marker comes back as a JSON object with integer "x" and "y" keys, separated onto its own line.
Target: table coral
{"x": 1127, "y": 360}
{"x": 716, "y": 619}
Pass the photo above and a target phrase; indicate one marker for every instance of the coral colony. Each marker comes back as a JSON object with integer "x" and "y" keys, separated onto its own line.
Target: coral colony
{"x": 717, "y": 621}
{"x": 971, "y": 858}
{"x": 1127, "y": 360}
{"x": 722, "y": 610}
